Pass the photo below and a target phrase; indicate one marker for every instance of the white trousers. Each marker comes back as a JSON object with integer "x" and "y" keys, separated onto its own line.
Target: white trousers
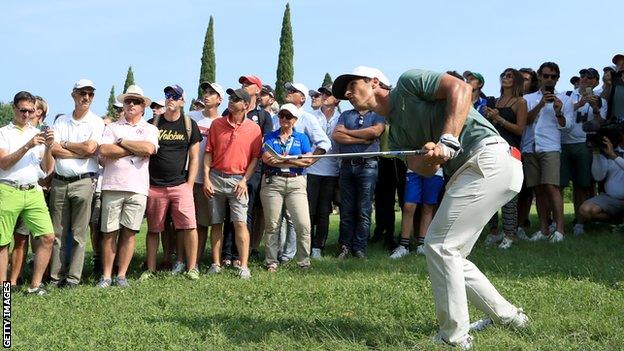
{"x": 487, "y": 181}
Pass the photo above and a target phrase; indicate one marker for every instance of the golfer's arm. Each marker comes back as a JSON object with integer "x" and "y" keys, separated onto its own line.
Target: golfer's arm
{"x": 458, "y": 101}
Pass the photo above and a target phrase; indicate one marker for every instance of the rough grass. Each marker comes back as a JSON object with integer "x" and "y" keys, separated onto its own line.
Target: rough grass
{"x": 573, "y": 293}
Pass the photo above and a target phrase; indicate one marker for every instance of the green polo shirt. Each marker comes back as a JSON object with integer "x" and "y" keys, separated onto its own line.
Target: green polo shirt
{"x": 416, "y": 117}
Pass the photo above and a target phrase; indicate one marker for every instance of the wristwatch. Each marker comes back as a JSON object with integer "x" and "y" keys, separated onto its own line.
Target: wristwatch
{"x": 64, "y": 144}
{"x": 118, "y": 141}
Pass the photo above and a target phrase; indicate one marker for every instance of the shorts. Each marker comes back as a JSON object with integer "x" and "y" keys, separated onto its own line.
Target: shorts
{"x": 576, "y": 160}
{"x": 614, "y": 207}
{"x": 21, "y": 228}
{"x": 122, "y": 208}
{"x": 224, "y": 193}
{"x": 30, "y": 205}
{"x": 96, "y": 208}
{"x": 542, "y": 168}
{"x": 178, "y": 199}
{"x": 203, "y": 207}
{"x": 422, "y": 190}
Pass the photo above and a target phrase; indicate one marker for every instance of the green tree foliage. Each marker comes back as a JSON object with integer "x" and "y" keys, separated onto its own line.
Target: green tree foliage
{"x": 110, "y": 110}
{"x": 6, "y": 113}
{"x": 129, "y": 79}
{"x": 327, "y": 80}
{"x": 285, "y": 68}
{"x": 208, "y": 71}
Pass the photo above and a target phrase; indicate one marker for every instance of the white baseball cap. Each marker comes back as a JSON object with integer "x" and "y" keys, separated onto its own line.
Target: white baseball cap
{"x": 298, "y": 87}
{"x": 84, "y": 83}
{"x": 134, "y": 91}
{"x": 160, "y": 103}
{"x": 340, "y": 84}
{"x": 214, "y": 86}
{"x": 294, "y": 110}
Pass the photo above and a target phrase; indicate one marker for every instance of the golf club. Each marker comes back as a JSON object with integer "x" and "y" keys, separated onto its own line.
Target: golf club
{"x": 274, "y": 153}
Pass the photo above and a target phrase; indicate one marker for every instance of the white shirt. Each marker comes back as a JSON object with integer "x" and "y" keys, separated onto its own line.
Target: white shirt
{"x": 546, "y": 136}
{"x": 309, "y": 125}
{"x": 575, "y": 134}
{"x": 326, "y": 166}
{"x": 66, "y": 128}
{"x": 28, "y": 169}
{"x": 613, "y": 171}
{"x": 204, "y": 126}
{"x": 196, "y": 115}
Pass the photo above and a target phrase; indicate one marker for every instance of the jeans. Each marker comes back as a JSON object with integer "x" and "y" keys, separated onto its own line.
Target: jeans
{"x": 391, "y": 181}
{"x": 357, "y": 186}
{"x": 320, "y": 195}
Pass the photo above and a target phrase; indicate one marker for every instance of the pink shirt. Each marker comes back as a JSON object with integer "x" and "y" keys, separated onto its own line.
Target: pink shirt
{"x": 130, "y": 173}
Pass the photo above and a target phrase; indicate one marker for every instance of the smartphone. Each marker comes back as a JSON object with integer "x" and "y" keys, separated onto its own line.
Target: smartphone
{"x": 589, "y": 91}
{"x": 550, "y": 90}
{"x": 43, "y": 127}
{"x": 491, "y": 102}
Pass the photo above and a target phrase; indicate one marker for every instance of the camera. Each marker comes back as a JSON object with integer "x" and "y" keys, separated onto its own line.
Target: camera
{"x": 596, "y": 132}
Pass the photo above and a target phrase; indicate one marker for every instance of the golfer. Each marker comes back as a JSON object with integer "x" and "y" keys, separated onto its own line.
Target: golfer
{"x": 433, "y": 111}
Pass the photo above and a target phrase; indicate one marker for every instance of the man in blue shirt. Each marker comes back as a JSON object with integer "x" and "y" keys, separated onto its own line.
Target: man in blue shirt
{"x": 357, "y": 131}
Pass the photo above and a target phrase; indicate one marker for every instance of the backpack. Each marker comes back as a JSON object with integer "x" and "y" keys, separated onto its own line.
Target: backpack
{"x": 188, "y": 125}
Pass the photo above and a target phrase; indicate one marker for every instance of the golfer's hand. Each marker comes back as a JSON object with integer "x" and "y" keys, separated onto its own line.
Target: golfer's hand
{"x": 241, "y": 189}
{"x": 434, "y": 155}
{"x": 207, "y": 188}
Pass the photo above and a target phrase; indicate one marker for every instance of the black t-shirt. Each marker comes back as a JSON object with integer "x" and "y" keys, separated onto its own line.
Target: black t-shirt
{"x": 167, "y": 166}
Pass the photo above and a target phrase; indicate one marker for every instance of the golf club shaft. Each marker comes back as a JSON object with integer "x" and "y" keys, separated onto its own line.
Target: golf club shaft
{"x": 358, "y": 154}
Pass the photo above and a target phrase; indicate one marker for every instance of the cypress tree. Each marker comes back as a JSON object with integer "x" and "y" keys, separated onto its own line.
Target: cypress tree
{"x": 208, "y": 71}
{"x": 285, "y": 68}
{"x": 327, "y": 80}
{"x": 110, "y": 110}
{"x": 129, "y": 79}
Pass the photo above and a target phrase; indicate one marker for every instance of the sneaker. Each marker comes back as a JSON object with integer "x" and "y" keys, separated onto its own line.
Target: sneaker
{"x": 493, "y": 238}
{"x": 465, "y": 344}
{"x": 521, "y": 234}
{"x": 538, "y": 236}
{"x": 178, "y": 268}
{"x": 505, "y": 244}
{"x": 236, "y": 264}
{"x": 519, "y": 321}
{"x": 214, "y": 269}
{"x": 244, "y": 273}
{"x": 316, "y": 254}
{"x": 578, "y": 230}
{"x": 399, "y": 251}
{"x": 344, "y": 253}
{"x": 556, "y": 237}
{"x": 38, "y": 291}
{"x": 552, "y": 227}
{"x": 122, "y": 282}
{"x": 104, "y": 283}
{"x": 420, "y": 250}
{"x": 226, "y": 263}
{"x": 193, "y": 274}
{"x": 360, "y": 254}
{"x": 272, "y": 267}
{"x": 145, "y": 276}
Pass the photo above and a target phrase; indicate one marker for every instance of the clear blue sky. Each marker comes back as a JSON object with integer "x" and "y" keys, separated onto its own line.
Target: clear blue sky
{"x": 48, "y": 45}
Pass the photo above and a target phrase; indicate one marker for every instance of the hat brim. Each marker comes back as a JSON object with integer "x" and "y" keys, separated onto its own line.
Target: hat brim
{"x": 339, "y": 88}
{"x": 146, "y": 101}
{"x": 155, "y": 104}
{"x": 325, "y": 91}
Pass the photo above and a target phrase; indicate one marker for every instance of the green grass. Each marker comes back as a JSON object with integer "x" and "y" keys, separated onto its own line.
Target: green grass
{"x": 573, "y": 293}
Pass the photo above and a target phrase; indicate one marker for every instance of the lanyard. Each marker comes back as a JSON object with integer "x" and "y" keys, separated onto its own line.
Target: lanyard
{"x": 286, "y": 147}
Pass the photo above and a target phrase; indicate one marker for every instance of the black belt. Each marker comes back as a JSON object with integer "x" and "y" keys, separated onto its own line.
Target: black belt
{"x": 75, "y": 178}
{"x": 284, "y": 174}
{"x": 358, "y": 160}
{"x": 18, "y": 186}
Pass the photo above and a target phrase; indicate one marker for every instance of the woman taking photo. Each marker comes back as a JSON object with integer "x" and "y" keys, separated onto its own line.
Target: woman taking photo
{"x": 509, "y": 116}
{"x": 284, "y": 185}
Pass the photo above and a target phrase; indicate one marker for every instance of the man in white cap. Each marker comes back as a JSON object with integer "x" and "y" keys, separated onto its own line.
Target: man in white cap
{"x": 316, "y": 99}
{"x": 157, "y": 107}
{"x": 212, "y": 97}
{"x": 432, "y": 111}
{"x": 127, "y": 145}
{"x": 76, "y": 137}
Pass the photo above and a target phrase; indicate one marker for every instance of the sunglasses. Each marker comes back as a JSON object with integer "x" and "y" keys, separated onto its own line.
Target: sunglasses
{"x": 25, "y": 111}
{"x": 585, "y": 76}
{"x": 86, "y": 93}
{"x": 506, "y": 76}
{"x": 360, "y": 121}
{"x": 133, "y": 101}
{"x": 173, "y": 96}
{"x": 286, "y": 116}
{"x": 550, "y": 76}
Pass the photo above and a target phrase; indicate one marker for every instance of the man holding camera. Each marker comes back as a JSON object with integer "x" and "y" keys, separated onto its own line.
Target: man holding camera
{"x": 607, "y": 165}
{"x": 549, "y": 113}
{"x": 576, "y": 156}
